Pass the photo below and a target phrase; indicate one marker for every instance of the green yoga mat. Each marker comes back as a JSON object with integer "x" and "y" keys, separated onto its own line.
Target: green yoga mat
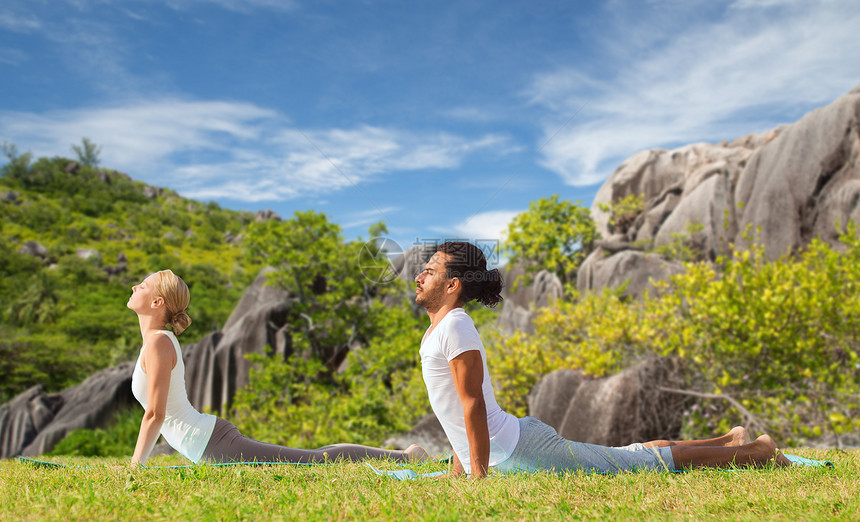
{"x": 41, "y": 463}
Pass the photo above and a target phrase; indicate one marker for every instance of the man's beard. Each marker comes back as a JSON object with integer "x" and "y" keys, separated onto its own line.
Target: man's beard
{"x": 426, "y": 300}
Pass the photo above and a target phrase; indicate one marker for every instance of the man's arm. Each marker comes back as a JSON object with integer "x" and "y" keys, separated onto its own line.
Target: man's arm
{"x": 468, "y": 371}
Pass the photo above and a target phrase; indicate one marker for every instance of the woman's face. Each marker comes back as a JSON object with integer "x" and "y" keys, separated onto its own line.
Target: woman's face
{"x": 143, "y": 294}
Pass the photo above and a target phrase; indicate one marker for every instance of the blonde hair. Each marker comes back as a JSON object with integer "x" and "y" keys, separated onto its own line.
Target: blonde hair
{"x": 176, "y": 297}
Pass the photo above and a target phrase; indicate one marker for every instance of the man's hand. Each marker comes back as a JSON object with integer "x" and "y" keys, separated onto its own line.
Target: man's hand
{"x": 456, "y": 467}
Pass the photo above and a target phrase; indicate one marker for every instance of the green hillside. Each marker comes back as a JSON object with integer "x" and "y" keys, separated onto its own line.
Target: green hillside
{"x": 62, "y": 307}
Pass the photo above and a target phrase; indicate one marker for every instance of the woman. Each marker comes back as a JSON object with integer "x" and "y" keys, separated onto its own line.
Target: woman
{"x": 454, "y": 366}
{"x": 158, "y": 383}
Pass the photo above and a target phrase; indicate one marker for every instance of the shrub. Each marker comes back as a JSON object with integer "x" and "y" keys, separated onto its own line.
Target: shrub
{"x": 379, "y": 392}
{"x": 117, "y": 440}
{"x": 771, "y": 344}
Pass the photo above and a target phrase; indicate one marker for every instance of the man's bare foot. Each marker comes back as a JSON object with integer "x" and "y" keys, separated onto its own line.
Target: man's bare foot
{"x": 738, "y": 436}
{"x": 769, "y": 452}
{"x": 415, "y": 454}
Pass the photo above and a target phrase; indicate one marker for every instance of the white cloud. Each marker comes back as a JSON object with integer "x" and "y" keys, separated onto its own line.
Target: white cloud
{"x": 87, "y": 43}
{"x": 490, "y": 225}
{"x": 239, "y": 6}
{"x": 369, "y": 217}
{"x": 234, "y": 150}
{"x": 472, "y": 114}
{"x": 12, "y": 56}
{"x": 713, "y": 80}
{"x": 18, "y": 24}
{"x": 755, "y": 4}
{"x": 138, "y": 136}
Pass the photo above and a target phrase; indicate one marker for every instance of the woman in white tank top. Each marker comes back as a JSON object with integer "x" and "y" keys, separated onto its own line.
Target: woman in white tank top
{"x": 158, "y": 383}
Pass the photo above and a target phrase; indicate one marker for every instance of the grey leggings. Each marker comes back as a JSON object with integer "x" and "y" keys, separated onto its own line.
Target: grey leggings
{"x": 228, "y": 445}
{"x": 541, "y": 448}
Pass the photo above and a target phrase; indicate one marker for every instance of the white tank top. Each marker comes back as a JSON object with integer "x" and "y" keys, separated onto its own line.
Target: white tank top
{"x": 185, "y": 429}
{"x": 454, "y": 335}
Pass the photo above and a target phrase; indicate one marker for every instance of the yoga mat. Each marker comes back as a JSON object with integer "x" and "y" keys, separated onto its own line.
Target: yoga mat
{"x": 408, "y": 474}
{"x": 40, "y": 463}
{"x": 803, "y": 461}
{"x": 399, "y": 474}
{"x": 405, "y": 474}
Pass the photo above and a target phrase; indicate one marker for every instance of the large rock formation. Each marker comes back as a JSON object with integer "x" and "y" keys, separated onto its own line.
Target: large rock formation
{"x": 408, "y": 265}
{"x": 51, "y": 417}
{"x": 637, "y": 270}
{"x": 216, "y": 366}
{"x": 613, "y": 411}
{"x": 33, "y": 422}
{"x": 427, "y": 433}
{"x": 519, "y": 306}
{"x": 786, "y": 186}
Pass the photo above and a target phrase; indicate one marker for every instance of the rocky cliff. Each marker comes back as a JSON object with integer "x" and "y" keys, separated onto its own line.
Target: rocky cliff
{"x": 779, "y": 188}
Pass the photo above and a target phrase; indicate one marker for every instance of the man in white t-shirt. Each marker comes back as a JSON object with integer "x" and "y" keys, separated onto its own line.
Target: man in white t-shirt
{"x": 454, "y": 367}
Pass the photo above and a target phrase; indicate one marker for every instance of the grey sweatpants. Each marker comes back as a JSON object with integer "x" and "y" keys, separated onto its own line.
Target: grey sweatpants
{"x": 541, "y": 448}
{"x": 228, "y": 445}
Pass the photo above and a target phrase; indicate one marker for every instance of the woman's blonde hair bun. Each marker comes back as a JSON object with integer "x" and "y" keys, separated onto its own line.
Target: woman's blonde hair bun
{"x": 176, "y": 297}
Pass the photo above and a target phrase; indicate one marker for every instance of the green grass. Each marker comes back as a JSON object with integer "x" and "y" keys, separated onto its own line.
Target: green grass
{"x": 353, "y": 491}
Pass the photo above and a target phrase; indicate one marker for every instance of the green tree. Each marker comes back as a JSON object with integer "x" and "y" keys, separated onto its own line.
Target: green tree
{"x": 352, "y": 372}
{"x": 623, "y": 213}
{"x": 88, "y": 152}
{"x": 552, "y": 235}
{"x": 314, "y": 264}
{"x": 18, "y": 164}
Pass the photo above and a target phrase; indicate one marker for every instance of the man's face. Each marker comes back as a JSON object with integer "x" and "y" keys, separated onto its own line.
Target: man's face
{"x": 432, "y": 283}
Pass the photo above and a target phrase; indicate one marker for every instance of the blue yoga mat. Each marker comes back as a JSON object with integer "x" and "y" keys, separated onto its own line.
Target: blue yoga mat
{"x": 408, "y": 474}
{"x": 399, "y": 474}
{"x": 803, "y": 461}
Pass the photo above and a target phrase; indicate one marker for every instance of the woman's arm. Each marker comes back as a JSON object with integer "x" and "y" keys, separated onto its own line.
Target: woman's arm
{"x": 158, "y": 361}
{"x": 468, "y": 371}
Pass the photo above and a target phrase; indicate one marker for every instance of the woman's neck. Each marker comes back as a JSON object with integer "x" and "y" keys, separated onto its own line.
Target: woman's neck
{"x": 150, "y": 324}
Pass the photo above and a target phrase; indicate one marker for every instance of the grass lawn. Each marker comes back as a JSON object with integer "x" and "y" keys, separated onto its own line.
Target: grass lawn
{"x": 353, "y": 491}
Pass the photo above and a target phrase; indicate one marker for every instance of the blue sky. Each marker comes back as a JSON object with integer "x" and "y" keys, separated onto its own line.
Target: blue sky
{"x": 442, "y": 119}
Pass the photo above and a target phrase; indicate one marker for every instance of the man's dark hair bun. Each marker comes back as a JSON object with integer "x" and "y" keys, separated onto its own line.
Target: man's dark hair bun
{"x": 491, "y": 289}
{"x": 467, "y": 263}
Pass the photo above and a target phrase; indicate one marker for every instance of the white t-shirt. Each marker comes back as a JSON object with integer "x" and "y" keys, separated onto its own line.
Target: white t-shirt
{"x": 185, "y": 429}
{"x": 454, "y": 335}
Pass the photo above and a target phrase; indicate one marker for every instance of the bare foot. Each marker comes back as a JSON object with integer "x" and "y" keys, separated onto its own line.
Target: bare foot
{"x": 739, "y": 436}
{"x": 416, "y": 454}
{"x": 770, "y": 452}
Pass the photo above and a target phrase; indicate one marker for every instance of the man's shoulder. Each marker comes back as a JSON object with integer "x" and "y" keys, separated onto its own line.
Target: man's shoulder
{"x": 458, "y": 319}
{"x": 460, "y": 331}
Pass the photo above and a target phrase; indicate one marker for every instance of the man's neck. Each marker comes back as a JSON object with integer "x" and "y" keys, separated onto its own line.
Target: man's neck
{"x": 437, "y": 315}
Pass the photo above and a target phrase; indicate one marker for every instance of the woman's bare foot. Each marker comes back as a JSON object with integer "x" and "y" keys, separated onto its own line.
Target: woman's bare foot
{"x": 738, "y": 436}
{"x": 770, "y": 452}
{"x": 415, "y": 454}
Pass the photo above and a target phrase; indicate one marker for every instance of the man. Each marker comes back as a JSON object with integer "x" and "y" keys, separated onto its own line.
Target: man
{"x": 482, "y": 435}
